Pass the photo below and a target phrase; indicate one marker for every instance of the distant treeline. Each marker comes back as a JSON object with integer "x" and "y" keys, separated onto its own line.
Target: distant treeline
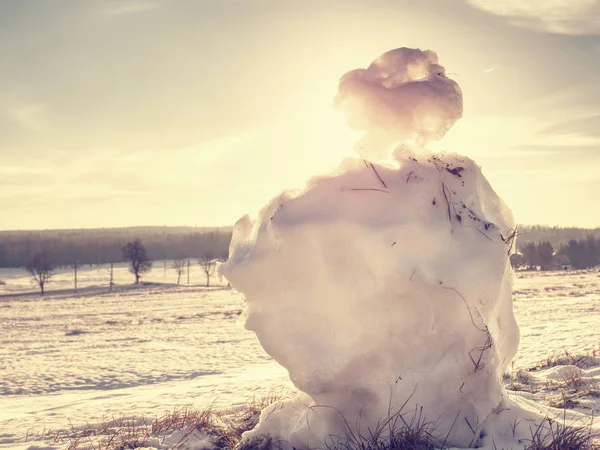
{"x": 577, "y": 254}
{"x": 100, "y": 246}
{"x": 556, "y": 236}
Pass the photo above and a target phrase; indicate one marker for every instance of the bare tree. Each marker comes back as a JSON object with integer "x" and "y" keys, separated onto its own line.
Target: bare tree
{"x": 179, "y": 266}
{"x": 517, "y": 260}
{"x": 40, "y": 269}
{"x": 208, "y": 264}
{"x": 135, "y": 254}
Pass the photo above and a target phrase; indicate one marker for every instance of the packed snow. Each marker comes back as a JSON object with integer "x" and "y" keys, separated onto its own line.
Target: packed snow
{"x": 381, "y": 295}
{"x": 403, "y": 95}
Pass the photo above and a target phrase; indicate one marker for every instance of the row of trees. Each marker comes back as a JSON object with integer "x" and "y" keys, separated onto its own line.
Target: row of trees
{"x": 583, "y": 253}
{"x": 134, "y": 253}
{"x": 102, "y": 246}
{"x": 207, "y": 264}
{"x": 557, "y": 236}
{"x": 579, "y": 254}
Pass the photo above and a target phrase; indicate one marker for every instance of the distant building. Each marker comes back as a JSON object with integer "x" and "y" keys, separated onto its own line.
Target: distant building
{"x": 560, "y": 262}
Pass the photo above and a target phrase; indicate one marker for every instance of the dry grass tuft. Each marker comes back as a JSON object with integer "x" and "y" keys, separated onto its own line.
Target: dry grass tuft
{"x": 120, "y": 433}
{"x": 568, "y": 385}
{"x": 572, "y": 376}
{"x": 224, "y": 428}
{"x": 399, "y": 431}
{"x": 521, "y": 381}
{"x": 586, "y": 361}
{"x": 591, "y": 391}
{"x": 245, "y": 419}
{"x": 563, "y": 401}
{"x": 185, "y": 418}
{"x": 551, "y": 435}
{"x": 396, "y": 432}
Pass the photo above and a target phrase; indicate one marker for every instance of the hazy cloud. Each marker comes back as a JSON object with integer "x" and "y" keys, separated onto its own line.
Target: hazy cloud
{"x": 588, "y": 125}
{"x": 123, "y": 7}
{"x": 31, "y": 117}
{"x": 576, "y": 17}
{"x": 22, "y": 170}
{"x": 78, "y": 79}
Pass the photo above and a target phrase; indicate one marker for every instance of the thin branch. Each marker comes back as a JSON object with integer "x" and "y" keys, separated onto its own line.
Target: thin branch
{"x": 447, "y": 202}
{"x": 367, "y": 189}
{"x": 377, "y": 174}
{"x": 469, "y": 424}
{"x": 450, "y": 430}
{"x": 468, "y": 308}
{"x": 484, "y": 235}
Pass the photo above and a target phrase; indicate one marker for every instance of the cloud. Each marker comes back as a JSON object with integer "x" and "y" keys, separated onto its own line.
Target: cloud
{"x": 588, "y": 125}
{"x": 577, "y": 17}
{"x": 403, "y": 95}
{"x": 22, "y": 170}
{"x": 31, "y": 117}
{"x": 124, "y": 7}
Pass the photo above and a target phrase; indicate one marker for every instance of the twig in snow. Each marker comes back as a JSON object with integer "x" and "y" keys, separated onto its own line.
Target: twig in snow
{"x": 368, "y": 189}
{"x": 510, "y": 239}
{"x": 450, "y": 430}
{"x": 377, "y": 174}
{"x": 484, "y": 235}
{"x": 447, "y": 202}
{"x": 276, "y": 211}
{"x": 488, "y": 344}
{"x": 472, "y": 430}
{"x": 467, "y": 305}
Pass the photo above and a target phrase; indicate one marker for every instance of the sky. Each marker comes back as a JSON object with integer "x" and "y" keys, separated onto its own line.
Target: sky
{"x": 195, "y": 112}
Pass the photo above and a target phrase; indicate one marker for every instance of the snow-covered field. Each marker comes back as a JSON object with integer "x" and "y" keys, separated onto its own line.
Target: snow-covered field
{"x": 556, "y": 311}
{"x": 76, "y": 358}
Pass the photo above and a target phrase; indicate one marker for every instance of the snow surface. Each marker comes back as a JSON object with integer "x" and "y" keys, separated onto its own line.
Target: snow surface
{"x": 137, "y": 351}
{"x": 556, "y": 311}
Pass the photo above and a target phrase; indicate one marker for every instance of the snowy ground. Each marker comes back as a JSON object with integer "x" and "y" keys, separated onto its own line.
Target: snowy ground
{"x": 71, "y": 359}
{"x": 556, "y": 311}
